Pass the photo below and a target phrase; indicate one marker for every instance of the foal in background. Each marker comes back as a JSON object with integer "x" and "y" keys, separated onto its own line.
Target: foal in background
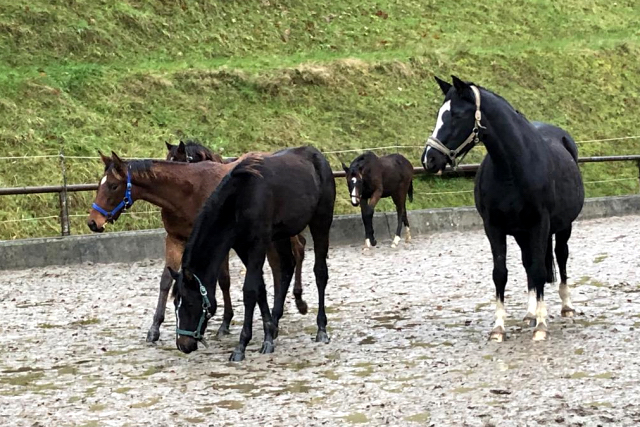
{"x": 370, "y": 178}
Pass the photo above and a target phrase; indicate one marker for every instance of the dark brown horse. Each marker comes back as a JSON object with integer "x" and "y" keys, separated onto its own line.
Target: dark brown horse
{"x": 191, "y": 152}
{"x": 194, "y": 152}
{"x": 370, "y": 178}
{"x": 180, "y": 190}
{"x": 262, "y": 200}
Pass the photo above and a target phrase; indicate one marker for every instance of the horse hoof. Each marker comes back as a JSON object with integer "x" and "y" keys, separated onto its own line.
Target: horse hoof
{"x": 267, "y": 348}
{"x": 236, "y": 356}
{"x": 497, "y": 335}
{"x": 568, "y": 312}
{"x": 322, "y": 337}
{"x": 396, "y": 240}
{"x": 153, "y": 335}
{"x": 302, "y": 306}
{"x": 222, "y": 331}
{"x": 540, "y": 333}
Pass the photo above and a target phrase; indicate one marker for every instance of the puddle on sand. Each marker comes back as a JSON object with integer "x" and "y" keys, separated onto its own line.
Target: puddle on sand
{"x": 230, "y": 404}
{"x": 356, "y": 418}
{"x": 421, "y": 417}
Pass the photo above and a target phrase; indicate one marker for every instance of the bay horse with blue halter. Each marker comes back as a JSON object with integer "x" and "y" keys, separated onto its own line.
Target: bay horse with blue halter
{"x": 264, "y": 199}
{"x": 179, "y": 190}
{"x": 528, "y": 186}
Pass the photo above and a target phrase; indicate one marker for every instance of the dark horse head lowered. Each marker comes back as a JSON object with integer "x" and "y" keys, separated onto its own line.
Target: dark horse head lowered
{"x": 528, "y": 186}
{"x": 258, "y": 203}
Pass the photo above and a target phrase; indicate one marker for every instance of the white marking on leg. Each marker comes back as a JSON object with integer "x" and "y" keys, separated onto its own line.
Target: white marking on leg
{"x": 396, "y": 240}
{"x": 501, "y": 315}
{"x": 540, "y": 332}
{"x": 103, "y": 180}
{"x": 439, "y": 121}
{"x": 532, "y": 305}
{"x": 565, "y": 296}
{"x": 367, "y": 243}
{"x": 407, "y": 235}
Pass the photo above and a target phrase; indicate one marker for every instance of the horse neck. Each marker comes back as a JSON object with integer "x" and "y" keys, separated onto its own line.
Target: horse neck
{"x": 165, "y": 185}
{"x": 510, "y": 145}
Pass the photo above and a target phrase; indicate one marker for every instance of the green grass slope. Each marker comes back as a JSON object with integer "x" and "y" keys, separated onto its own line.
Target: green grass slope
{"x": 80, "y": 76}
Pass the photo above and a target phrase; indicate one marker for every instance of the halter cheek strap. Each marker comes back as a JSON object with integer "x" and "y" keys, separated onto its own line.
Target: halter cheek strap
{"x": 205, "y": 309}
{"x": 125, "y": 204}
{"x": 472, "y": 139}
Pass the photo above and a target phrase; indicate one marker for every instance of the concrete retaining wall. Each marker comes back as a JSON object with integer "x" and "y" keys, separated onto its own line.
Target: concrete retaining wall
{"x": 347, "y": 229}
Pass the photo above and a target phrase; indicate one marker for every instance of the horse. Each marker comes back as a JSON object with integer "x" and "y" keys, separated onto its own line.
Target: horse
{"x": 193, "y": 152}
{"x": 370, "y": 178}
{"x": 180, "y": 190}
{"x": 528, "y": 186}
{"x": 262, "y": 200}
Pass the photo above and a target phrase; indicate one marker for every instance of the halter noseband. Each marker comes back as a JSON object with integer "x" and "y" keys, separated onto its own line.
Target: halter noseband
{"x": 472, "y": 139}
{"x": 125, "y": 204}
{"x": 205, "y": 310}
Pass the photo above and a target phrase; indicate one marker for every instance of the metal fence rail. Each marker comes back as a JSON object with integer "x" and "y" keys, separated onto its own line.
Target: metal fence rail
{"x": 461, "y": 170}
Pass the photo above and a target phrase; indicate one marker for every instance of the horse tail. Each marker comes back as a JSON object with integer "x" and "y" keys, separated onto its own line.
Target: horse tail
{"x": 570, "y": 145}
{"x": 411, "y": 191}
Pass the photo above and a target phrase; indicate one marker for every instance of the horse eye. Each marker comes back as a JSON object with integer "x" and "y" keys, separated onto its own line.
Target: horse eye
{"x": 113, "y": 186}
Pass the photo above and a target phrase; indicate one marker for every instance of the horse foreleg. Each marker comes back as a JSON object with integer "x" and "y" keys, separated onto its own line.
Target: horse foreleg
{"x": 254, "y": 291}
{"x": 224, "y": 281}
{"x": 562, "y": 254}
{"x": 498, "y": 241}
{"x": 173, "y": 256}
{"x": 320, "y": 232}
{"x": 367, "y": 207}
{"x": 297, "y": 245}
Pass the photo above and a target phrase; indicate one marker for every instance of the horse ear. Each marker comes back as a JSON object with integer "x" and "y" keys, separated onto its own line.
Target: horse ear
{"x": 169, "y": 145}
{"x": 459, "y": 84}
{"x": 181, "y": 148}
{"x": 174, "y": 274}
{"x": 444, "y": 86}
{"x": 105, "y": 159}
{"x": 118, "y": 164}
{"x": 346, "y": 169}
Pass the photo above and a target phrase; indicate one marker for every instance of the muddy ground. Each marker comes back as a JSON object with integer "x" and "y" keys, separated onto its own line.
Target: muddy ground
{"x": 409, "y": 345}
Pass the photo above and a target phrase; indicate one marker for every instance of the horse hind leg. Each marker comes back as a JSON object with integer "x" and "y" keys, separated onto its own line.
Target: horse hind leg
{"x": 224, "y": 281}
{"x": 401, "y": 209}
{"x": 562, "y": 254}
{"x": 407, "y": 231}
{"x": 287, "y": 265}
{"x": 297, "y": 245}
{"x": 320, "y": 232}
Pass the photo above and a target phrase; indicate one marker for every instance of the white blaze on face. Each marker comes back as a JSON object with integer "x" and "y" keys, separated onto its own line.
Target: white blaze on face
{"x": 178, "y": 313}
{"x": 439, "y": 121}
{"x": 354, "y": 192}
{"x": 103, "y": 180}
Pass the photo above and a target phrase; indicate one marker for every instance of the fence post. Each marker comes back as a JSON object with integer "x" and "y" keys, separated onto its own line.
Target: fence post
{"x": 638, "y": 164}
{"x": 62, "y": 195}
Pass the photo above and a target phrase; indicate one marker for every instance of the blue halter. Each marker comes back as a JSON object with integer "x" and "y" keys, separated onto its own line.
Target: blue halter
{"x": 125, "y": 204}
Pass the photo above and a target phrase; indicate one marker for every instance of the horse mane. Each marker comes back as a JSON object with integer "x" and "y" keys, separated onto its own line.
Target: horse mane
{"x": 214, "y": 209}
{"x": 193, "y": 147}
{"x": 502, "y": 99}
{"x": 363, "y": 158}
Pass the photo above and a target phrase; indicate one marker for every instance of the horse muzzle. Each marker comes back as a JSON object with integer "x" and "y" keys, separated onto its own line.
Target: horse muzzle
{"x": 93, "y": 226}
{"x": 186, "y": 344}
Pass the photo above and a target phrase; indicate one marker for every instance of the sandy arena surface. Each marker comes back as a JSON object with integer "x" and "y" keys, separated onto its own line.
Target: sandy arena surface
{"x": 409, "y": 346}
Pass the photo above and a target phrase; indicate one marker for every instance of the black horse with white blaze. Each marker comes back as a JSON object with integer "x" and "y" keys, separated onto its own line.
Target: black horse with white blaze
{"x": 529, "y": 186}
